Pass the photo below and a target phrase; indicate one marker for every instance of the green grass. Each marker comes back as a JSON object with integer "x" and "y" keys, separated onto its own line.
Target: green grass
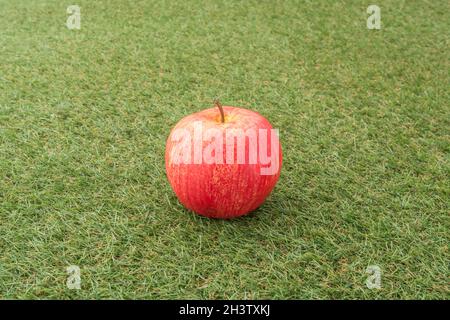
{"x": 364, "y": 122}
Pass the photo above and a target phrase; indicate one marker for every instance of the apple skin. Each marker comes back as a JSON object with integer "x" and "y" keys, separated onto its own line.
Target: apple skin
{"x": 222, "y": 190}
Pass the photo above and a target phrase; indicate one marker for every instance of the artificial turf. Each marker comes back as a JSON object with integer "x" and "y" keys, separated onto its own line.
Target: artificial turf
{"x": 364, "y": 123}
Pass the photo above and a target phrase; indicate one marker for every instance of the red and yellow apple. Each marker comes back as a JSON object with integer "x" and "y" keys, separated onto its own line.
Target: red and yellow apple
{"x": 223, "y": 162}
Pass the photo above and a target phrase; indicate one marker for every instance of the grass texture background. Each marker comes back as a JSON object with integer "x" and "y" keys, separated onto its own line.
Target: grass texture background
{"x": 363, "y": 118}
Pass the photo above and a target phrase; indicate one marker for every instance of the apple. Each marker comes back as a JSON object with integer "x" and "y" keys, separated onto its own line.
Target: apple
{"x": 223, "y": 162}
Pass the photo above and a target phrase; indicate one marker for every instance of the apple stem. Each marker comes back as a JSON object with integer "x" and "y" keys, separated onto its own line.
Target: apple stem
{"x": 218, "y": 105}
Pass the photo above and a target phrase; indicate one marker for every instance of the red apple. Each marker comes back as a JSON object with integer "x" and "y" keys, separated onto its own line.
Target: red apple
{"x": 223, "y": 162}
